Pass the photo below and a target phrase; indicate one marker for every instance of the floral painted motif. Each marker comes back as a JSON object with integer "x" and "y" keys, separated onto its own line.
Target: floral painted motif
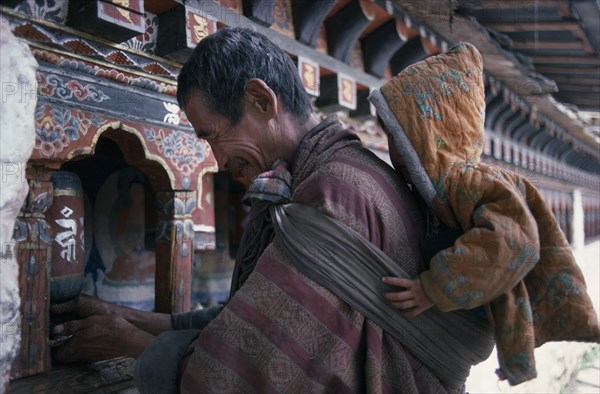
{"x": 54, "y": 86}
{"x": 93, "y": 50}
{"x": 52, "y": 10}
{"x": 185, "y": 151}
{"x": 57, "y": 127}
{"x": 173, "y": 113}
{"x": 145, "y": 42}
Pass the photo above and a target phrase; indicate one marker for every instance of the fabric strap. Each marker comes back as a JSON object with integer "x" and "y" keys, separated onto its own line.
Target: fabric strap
{"x": 270, "y": 187}
{"x": 341, "y": 260}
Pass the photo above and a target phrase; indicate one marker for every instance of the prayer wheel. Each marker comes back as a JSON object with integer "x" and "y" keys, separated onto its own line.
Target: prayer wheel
{"x": 66, "y": 217}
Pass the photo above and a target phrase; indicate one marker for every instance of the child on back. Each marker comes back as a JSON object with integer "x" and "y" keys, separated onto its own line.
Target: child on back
{"x": 511, "y": 257}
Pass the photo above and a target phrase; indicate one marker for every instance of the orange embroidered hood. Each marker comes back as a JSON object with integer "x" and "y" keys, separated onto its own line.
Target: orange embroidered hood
{"x": 434, "y": 112}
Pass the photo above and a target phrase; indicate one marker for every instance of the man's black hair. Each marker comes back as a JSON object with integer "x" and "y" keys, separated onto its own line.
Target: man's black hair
{"x": 222, "y": 63}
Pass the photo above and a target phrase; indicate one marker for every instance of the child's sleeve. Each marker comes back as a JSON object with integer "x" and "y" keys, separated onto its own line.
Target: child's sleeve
{"x": 499, "y": 246}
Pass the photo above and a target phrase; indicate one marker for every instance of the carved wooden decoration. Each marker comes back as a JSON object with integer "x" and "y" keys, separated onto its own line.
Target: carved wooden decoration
{"x": 379, "y": 47}
{"x": 338, "y": 92}
{"x": 11, "y": 3}
{"x": 116, "y": 20}
{"x": 344, "y": 28}
{"x": 310, "y": 75}
{"x": 180, "y": 30}
{"x": 411, "y": 52}
{"x": 174, "y": 251}
{"x": 308, "y": 16}
{"x": 260, "y": 11}
{"x": 33, "y": 237}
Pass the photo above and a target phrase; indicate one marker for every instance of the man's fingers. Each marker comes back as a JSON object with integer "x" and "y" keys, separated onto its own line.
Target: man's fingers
{"x": 65, "y": 307}
{"x": 72, "y": 326}
{"x": 67, "y": 352}
{"x": 400, "y": 282}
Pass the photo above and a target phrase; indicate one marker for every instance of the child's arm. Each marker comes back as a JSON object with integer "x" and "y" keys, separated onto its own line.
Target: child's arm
{"x": 500, "y": 244}
{"x": 412, "y": 301}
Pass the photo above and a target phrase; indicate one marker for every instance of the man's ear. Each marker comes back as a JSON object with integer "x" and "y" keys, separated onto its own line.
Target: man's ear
{"x": 261, "y": 98}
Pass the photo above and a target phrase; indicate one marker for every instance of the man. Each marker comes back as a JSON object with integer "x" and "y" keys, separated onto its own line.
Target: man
{"x": 280, "y": 331}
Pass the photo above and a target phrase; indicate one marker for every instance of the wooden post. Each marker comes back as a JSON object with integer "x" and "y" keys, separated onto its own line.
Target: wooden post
{"x": 33, "y": 238}
{"x": 174, "y": 251}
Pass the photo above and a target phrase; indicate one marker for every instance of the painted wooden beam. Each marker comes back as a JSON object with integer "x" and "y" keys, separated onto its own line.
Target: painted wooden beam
{"x": 180, "y": 30}
{"x": 577, "y": 99}
{"x": 338, "y": 92}
{"x": 501, "y": 119}
{"x": 566, "y": 69}
{"x": 11, "y": 3}
{"x": 410, "y": 53}
{"x": 379, "y": 47}
{"x": 523, "y": 132}
{"x": 565, "y": 79}
{"x": 291, "y": 46}
{"x": 514, "y": 124}
{"x": 512, "y": 27}
{"x": 308, "y": 16}
{"x": 364, "y": 109}
{"x": 584, "y": 60}
{"x": 569, "y": 88}
{"x": 546, "y": 44}
{"x": 112, "y": 21}
{"x": 509, "y": 4}
{"x": 260, "y": 11}
{"x": 345, "y": 27}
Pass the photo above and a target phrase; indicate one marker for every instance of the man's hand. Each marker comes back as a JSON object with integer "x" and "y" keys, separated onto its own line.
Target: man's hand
{"x": 99, "y": 338}
{"x": 83, "y": 306}
{"x": 412, "y": 301}
{"x": 87, "y": 306}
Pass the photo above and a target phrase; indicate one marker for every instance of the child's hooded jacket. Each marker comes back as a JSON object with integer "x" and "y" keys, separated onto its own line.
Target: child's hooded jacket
{"x": 512, "y": 254}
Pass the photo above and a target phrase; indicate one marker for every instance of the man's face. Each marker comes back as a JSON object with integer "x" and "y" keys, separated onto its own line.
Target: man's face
{"x": 245, "y": 149}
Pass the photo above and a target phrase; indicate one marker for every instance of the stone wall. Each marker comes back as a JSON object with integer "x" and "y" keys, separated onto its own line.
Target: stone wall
{"x": 17, "y": 106}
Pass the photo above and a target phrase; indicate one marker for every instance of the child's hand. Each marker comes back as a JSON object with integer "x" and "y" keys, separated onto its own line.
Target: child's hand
{"x": 412, "y": 301}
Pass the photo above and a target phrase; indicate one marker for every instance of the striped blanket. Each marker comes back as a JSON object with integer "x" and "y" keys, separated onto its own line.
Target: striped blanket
{"x": 282, "y": 332}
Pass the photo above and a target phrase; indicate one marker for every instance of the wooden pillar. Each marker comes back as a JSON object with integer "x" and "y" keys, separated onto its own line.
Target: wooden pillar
{"x": 33, "y": 237}
{"x": 174, "y": 251}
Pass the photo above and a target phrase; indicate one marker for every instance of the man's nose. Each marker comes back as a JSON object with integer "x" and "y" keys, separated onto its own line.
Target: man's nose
{"x": 222, "y": 161}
